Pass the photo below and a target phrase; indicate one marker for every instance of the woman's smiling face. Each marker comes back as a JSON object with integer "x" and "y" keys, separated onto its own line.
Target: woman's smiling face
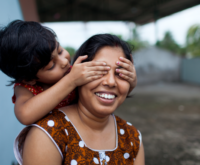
{"x": 101, "y": 97}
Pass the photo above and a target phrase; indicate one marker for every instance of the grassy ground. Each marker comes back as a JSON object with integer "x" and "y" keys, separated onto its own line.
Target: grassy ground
{"x": 170, "y": 127}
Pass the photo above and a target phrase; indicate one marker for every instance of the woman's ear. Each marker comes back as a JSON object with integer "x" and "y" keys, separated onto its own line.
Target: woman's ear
{"x": 32, "y": 82}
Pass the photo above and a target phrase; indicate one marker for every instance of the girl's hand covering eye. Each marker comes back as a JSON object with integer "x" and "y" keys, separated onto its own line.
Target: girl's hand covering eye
{"x": 86, "y": 72}
{"x": 127, "y": 72}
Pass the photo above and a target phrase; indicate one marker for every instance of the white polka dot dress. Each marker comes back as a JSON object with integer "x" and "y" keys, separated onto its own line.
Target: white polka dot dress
{"x": 73, "y": 149}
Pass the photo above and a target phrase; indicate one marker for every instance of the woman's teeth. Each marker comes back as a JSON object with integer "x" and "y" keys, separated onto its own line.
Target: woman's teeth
{"x": 106, "y": 96}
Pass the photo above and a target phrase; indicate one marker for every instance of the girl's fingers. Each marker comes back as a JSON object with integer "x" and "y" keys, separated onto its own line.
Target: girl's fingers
{"x": 98, "y": 68}
{"x": 126, "y": 66}
{"x": 127, "y": 78}
{"x": 91, "y": 78}
{"x": 125, "y": 72}
{"x": 93, "y": 73}
{"x": 80, "y": 59}
{"x": 95, "y": 63}
{"x": 125, "y": 60}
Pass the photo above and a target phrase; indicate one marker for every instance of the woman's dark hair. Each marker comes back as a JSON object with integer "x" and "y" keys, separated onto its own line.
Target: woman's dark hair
{"x": 96, "y": 42}
{"x": 25, "y": 47}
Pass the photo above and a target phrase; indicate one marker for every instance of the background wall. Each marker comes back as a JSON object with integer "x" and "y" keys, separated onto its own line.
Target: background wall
{"x": 156, "y": 65}
{"x": 190, "y": 70}
{"x": 9, "y": 126}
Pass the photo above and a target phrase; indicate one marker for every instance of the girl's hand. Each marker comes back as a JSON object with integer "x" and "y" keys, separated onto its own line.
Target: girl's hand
{"x": 127, "y": 72}
{"x": 86, "y": 72}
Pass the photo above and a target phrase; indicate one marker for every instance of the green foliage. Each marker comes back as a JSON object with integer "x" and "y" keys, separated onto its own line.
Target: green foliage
{"x": 118, "y": 35}
{"x": 136, "y": 44}
{"x": 192, "y": 47}
{"x": 71, "y": 51}
{"x": 170, "y": 44}
{"x": 193, "y": 41}
{"x": 135, "y": 41}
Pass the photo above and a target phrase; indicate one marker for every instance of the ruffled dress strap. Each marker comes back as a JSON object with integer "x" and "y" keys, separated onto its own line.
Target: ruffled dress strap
{"x": 35, "y": 89}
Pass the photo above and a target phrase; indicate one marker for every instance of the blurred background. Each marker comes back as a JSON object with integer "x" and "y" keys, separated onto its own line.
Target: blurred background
{"x": 165, "y": 105}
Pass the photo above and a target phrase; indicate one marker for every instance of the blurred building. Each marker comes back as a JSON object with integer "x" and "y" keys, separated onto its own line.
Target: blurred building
{"x": 155, "y": 65}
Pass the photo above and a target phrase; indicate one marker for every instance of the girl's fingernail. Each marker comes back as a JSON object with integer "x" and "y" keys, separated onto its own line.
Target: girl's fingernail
{"x": 120, "y": 74}
{"x": 117, "y": 70}
{"x": 108, "y": 67}
{"x": 104, "y": 63}
{"x": 118, "y": 62}
{"x": 121, "y": 58}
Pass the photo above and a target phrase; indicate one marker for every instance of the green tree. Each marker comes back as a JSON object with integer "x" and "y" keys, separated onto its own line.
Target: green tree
{"x": 193, "y": 41}
{"x": 170, "y": 44}
{"x": 135, "y": 40}
{"x": 71, "y": 51}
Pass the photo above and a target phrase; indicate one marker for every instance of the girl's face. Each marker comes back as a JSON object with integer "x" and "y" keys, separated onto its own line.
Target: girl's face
{"x": 101, "y": 97}
{"x": 57, "y": 68}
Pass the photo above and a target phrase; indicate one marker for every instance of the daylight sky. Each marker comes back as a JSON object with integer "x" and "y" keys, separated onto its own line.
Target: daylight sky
{"x": 75, "y": 33}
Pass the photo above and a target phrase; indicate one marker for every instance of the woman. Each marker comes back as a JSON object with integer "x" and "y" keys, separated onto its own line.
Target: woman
{"x": 87, "y": 132}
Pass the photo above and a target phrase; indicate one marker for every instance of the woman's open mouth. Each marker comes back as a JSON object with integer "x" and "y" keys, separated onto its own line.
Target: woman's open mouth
{"x": 106, "y": 98}
{"x": 105, "y": 95}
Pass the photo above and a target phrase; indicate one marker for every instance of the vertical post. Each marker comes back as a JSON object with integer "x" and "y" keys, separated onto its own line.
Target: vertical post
{"x": 85, "y": 24}
{"x": 156, "y": 16}
{"x": 156, "y": 30}
{"x": 29, "y": 10}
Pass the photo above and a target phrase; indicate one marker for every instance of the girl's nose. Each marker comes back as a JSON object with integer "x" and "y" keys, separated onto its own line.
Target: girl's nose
{"x": 64, "y": 62}
{"x": 109, "y": 80}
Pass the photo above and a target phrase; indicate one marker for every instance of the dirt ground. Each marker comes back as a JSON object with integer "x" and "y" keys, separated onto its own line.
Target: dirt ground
{"x": 168, "y": 116}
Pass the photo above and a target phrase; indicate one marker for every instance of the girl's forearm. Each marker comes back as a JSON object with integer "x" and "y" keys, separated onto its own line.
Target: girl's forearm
{"x": 38, "y": 106}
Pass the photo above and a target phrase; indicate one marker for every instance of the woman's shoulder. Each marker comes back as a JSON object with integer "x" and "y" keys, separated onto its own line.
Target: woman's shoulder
{"x": 128, "y": 135}
{"x": 54, "y": 125}
{"x": 127, "y": 125}
{"x": 52, "y": 119}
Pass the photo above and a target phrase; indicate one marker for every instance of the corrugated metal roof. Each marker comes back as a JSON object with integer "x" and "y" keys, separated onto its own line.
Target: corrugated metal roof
{"x": 138, "y": 11}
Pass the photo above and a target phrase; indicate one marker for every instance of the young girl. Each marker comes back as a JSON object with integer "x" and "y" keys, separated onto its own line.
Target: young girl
{"x": 40, "y": 67}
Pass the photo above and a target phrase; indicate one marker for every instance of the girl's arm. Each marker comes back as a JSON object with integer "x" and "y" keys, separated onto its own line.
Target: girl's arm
{"x": 140, "y": 160}
{"x": 39, "y": 149}
{"x": 29, "y": 108}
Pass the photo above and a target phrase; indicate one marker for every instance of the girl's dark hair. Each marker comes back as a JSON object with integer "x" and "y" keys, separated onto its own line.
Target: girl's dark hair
{"x": 96, "y": 42}
{"x": 25, "y": 47}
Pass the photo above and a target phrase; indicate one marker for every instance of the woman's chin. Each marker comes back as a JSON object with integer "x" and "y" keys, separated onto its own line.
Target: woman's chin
{"x": 103, "y": 111}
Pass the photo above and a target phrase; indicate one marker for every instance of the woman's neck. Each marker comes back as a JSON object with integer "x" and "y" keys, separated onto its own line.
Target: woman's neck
{"x": 97, "y": 132}
{"x": 89, "y": 120}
